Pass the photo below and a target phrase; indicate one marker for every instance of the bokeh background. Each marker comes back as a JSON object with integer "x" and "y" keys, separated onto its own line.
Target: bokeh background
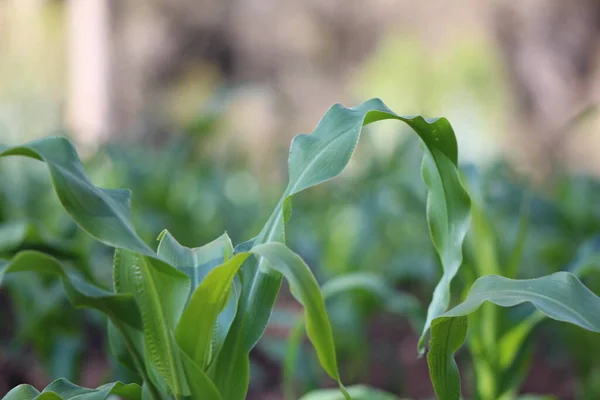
{"x": 192, "y": 105}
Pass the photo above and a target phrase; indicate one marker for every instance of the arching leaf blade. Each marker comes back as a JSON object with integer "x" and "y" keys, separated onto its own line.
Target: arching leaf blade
{"x": 117, "y": 306}
{"x": 323, "y": 155}
{"x": 103, "y": 213}
{"x": 373, "y": 284}
{"x": 305, "y": 289}
{"x": 65, "y": 390}
{"x": 560, "y": 296}
{"x": 197, "y": 263}
{"x": 231, "y": 374}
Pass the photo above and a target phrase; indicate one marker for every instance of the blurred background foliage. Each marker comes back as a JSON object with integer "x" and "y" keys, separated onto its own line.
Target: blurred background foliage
{"x": 192, "y": 105}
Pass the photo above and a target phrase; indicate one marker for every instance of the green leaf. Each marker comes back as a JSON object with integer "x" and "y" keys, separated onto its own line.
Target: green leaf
{"x": 103, "y": 213}
{"x": 305, "y": 289}
{"x": 196, "y": 327}
{"x": 121, "y": 308}
{"x": 22, "y": 392}
{"x": 197, "y": 263}
{"x": 161, "y": 293}
{"x": 560, "y": 296}
{"x": 447, "y": 336}
{"x": 231, "y": 377}
{"x": 201, "y": 387}
{"x": 392, "y": 301}
{"x": 118, "y": 307}
{"x": 65, "y": 390}
{"x": 159, "y": 289}
{"x": 323, "y": 155}
{"x": 358, "y": 392}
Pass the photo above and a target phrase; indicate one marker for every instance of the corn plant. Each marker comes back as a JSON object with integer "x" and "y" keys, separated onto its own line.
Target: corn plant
{"x": 186, "y": 319}
{"x": 498, "y": 349}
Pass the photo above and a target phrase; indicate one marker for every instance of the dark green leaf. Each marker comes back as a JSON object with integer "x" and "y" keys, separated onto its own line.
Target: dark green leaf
{"x": 119, "y": 307}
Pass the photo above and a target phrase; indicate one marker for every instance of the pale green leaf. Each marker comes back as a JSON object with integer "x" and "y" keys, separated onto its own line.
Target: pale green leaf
{"x": 65, "y": 390}
{"x": 22, "y": 392}
{"x": 197, "y": 263}
{"x": 560, "y": 296}
{"x": 358, "y": 392}
{"x": 392, "y": 301}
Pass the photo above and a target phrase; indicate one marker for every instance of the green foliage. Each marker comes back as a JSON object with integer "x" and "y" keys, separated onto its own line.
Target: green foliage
{"x": 358, "y": 392}
{"x": 161, "y": 296}
{"x": 560, "y": 296}
{"x": 498, "y": 340}
{"x": 63, "y": 389}
{"x": 184, "y": 320}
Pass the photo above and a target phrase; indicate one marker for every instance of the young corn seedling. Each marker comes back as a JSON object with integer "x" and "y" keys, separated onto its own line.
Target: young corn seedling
{"x": 185, "y": 320}
{"x": 500, "y": 357}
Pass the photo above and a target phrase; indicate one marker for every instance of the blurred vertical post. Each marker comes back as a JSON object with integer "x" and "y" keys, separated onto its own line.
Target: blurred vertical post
{"x": 88, "y": 102}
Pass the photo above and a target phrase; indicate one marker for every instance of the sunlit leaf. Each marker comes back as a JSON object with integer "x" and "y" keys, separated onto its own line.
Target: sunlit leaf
{"x": 392, "y": 301}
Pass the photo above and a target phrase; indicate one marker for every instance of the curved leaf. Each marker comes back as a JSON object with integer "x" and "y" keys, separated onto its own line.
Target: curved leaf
{"x": 104, "y": 213}
{"x": 197, "y": 263}
{"x": 358, "y": 392}
{"x": 159, "y": 289}
{"x": 117, "y": 306}
{"x": 560, "y": 296}
{"x": 393, "y": 301}
{"x": 209, "y": 298}
{"x": 305, "y": 289}
{"x": 22, "y": 392}
{"x": 323, "y": 155}
{"x": 65, "y": 390}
